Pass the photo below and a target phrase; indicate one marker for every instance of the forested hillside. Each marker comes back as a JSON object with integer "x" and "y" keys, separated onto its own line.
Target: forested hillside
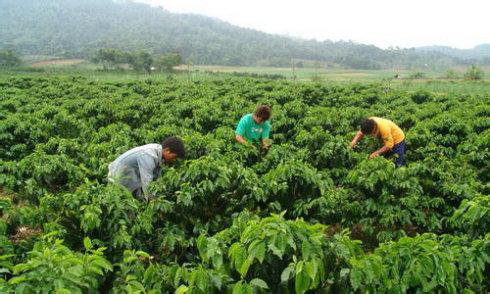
{"x": 478, "y": 52}
{"x": 75, "y": 28}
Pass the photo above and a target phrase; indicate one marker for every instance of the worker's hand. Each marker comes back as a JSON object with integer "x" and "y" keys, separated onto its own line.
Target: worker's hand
{"x": 353, "y": 144}
{"x": 373, "y": 155}
{"x": 266, "y": 144}
{"x": 147, "y": 198}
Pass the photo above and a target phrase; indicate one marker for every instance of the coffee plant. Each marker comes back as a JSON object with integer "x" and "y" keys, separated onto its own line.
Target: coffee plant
{"x": 309, "y": 215}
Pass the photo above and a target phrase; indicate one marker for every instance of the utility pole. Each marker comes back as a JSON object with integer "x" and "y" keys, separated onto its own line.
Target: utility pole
{"x": 189, "y": 74}
{"x": 293, "y": 69}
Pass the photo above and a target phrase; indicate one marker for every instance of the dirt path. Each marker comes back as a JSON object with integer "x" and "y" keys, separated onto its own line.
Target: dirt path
{"x": 57, "y": 62}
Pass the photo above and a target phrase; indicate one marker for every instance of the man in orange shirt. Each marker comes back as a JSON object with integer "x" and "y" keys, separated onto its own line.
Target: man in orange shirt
{"x": 391, "y": 134}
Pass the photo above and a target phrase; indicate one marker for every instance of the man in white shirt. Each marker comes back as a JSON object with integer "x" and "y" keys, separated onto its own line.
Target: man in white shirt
{"x": 136, "y": 168}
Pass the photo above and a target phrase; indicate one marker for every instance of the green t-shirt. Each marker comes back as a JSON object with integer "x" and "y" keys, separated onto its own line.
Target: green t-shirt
{"x": 251, "y": 130}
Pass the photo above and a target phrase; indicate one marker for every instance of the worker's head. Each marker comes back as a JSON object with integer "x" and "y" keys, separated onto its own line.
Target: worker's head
{"x": 367, "y": 126}
{"x": 172, "y": 148}
{"x": 262, "y": 114}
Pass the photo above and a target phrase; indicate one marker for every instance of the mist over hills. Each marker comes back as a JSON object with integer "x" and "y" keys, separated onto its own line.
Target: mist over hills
{"x": 481, "y": 51}
{"x": 77, "y": 28}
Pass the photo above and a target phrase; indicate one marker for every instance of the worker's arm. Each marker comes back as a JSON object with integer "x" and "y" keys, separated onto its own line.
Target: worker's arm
{"x": 146, "y": 165}
{"x": 356, "y": 139}
{"x": 240, "y": 139}
{"x": 387, "y": 140}
{"x": 378, "y": 152}
{"x": 240, "y": 131}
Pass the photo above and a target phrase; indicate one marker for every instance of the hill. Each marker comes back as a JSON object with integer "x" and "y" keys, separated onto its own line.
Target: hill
{"x": 76, "y": 28}
{"x": 478, "y": 52}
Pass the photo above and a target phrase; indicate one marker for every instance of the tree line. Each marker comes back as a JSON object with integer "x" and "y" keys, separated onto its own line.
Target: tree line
{"x": 111, "y": 58}
{"x": 9, "y": 58}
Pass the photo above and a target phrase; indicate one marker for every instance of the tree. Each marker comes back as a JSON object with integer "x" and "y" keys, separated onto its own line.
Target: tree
{"x": 8, "y": 58}
{"x": 451, "y": 74}
{"x": 417, "y": 75}
{"x": 109, "y": 57}
{"x": 141, "y": 61}
{"x": 474, "y": 73}
{"x": 168, "y": 61}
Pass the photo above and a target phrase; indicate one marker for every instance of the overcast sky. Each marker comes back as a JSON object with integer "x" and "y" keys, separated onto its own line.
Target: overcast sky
{"x": 384, "y": 23}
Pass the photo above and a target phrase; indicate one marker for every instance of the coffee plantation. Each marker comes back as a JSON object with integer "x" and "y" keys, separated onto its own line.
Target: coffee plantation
{"x": 310, "y": 215}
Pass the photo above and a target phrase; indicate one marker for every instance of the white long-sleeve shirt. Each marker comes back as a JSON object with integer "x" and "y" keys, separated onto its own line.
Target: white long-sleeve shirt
{"x": 137, "y": 167}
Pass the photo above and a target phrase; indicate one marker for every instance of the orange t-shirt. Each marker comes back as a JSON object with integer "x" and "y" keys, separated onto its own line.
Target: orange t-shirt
{"x": 388, "y": 131}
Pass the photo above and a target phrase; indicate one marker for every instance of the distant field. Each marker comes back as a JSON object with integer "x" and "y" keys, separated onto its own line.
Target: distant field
{"x": 303, "y": 74}
{"x": 433, "y": 80}
{"x": 300, "y": 73}
{"x": 319, "y": 74}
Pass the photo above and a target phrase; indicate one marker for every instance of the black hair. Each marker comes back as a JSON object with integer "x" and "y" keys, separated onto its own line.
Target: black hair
{"x": 174, "y": 145}
{"x": 367, "y": 126}
{"x": 263, "y": 111}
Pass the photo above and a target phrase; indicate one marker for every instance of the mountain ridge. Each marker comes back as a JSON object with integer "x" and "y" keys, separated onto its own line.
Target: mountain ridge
{"x": 76, "y": 28}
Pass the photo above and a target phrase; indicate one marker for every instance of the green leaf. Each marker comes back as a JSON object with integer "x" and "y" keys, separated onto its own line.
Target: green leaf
{"x": 242, "y": 288}
{"x": 302, "y": 282}
{"x": 87, "y": 243}
{"x": 202, "y": 280}
{"x": 281, "y": 243}
{"x": 217, "y": 261}
{"x": 201, "y": 246}
{"x": 306, "y": 249}
{"x": 287, "y": 274}
{"x": 245, "y": 266}
{"x": 312, "y": 269}
{"x": 142, "y": 254}
{"x": 259, "y": 283}
{"x": 238, "y": 255}
{"x": 177, "y": 277}
{"x": 355, "y": 278}
{"x": 17, "y": 280}
{"x": 344, "y": 272}
{"x": 276, "y": 251}
{"x": 103, "y": 264}
{"x": 238, "y": 288}
{"x": 182, "y": 289}
{"x": 257, "y": 250}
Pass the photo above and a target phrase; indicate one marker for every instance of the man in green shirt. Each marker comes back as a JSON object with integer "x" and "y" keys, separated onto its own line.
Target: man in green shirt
{"x": 255, "y": 127}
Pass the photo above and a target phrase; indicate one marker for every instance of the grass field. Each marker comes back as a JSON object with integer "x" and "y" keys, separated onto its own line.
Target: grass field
{"x": 334, "y": 74}
{"x": 433, "y": 81}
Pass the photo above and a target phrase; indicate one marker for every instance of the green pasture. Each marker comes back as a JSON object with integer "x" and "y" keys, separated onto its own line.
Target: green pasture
{"x": 433, "y": 80}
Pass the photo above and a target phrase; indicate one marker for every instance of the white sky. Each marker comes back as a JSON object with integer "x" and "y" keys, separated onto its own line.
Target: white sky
{"x": 384, "y": 23}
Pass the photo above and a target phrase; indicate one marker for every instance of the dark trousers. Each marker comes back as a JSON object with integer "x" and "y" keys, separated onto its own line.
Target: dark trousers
{"x": 138, "y": 193}
{"x": 399, "y": 149}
